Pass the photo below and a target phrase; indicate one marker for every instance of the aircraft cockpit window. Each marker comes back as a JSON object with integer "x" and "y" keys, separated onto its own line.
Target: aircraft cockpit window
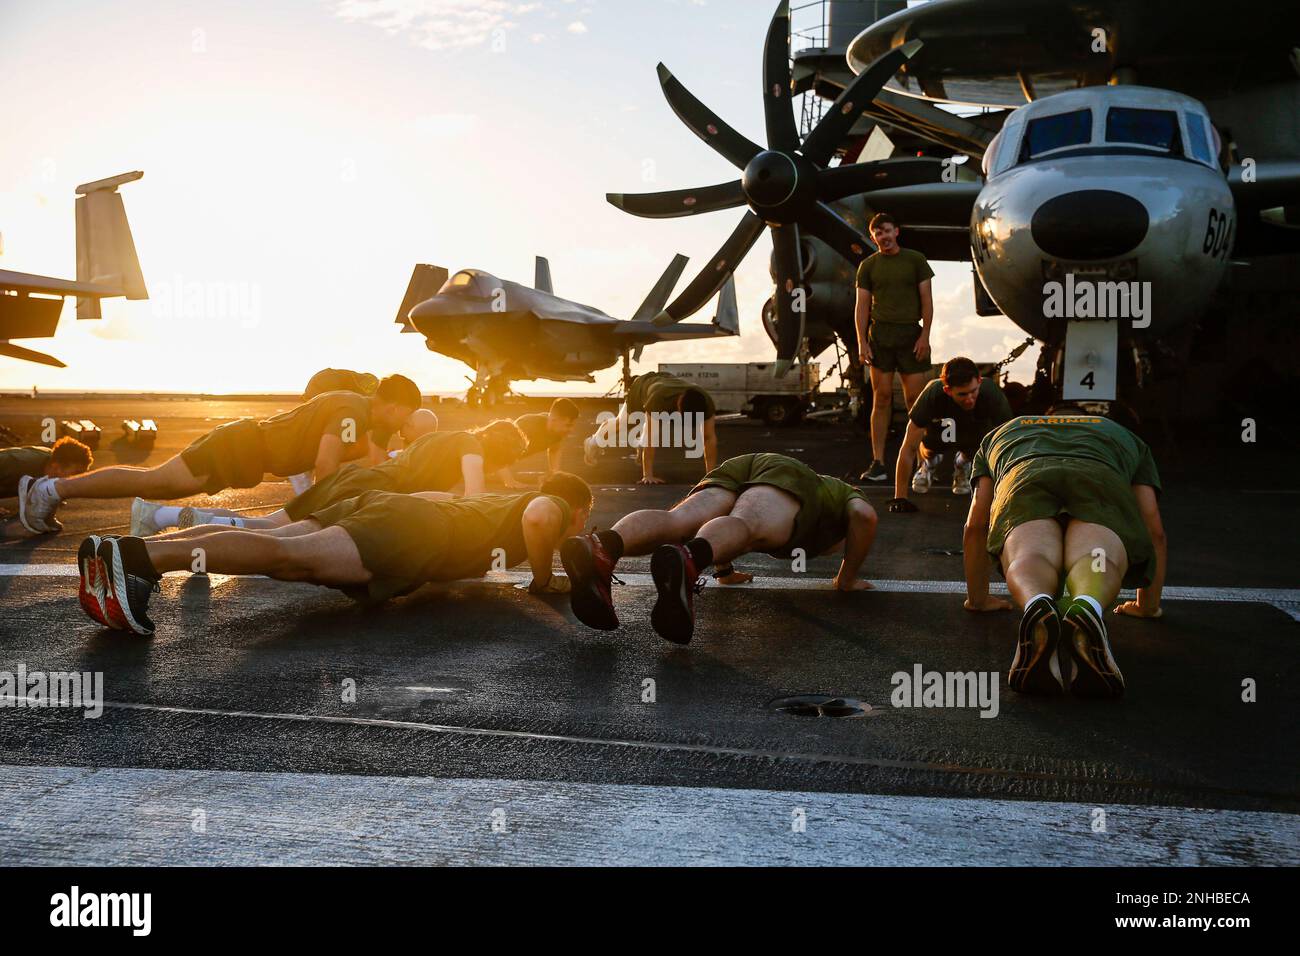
{"x": 1157, "y": 129}
{"x": 1049, "y": 133}
{"x": 1198, "y": 139}
{"x": 466, "y": 283}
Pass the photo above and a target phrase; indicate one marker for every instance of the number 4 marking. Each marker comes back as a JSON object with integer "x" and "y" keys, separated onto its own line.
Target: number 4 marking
{"x": 1088, "y": 380}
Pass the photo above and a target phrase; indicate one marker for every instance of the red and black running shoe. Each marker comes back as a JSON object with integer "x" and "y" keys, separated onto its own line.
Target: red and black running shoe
{"x": 129, "y": 581}
{"x": 91, "y": 592}
{"x": 591, "y": 572}
{"x": 677, "y": 581}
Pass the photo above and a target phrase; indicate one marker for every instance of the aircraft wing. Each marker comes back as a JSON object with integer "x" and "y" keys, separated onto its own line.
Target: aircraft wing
{"x": 1267, "y": 184}
{"x": 26, "y": 282}
{"x": 647, "y": 333}
{"x": 934, "y": 217}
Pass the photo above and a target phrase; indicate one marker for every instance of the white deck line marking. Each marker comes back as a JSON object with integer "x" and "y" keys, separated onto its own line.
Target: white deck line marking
{"x": 1286, "y": 600}
{"x": 106, "y": 816}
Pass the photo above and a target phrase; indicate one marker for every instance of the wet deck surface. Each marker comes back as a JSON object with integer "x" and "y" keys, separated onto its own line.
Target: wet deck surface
{"x": 478, "y": 689}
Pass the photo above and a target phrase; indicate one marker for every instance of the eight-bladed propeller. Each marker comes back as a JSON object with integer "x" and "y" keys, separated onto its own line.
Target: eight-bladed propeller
{"x": 787, "y": 186}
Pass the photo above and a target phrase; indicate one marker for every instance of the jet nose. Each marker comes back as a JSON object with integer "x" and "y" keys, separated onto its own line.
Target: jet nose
{"x": 1090, "y": 224}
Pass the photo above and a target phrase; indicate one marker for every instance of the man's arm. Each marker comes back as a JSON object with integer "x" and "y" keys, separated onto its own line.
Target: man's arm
{"x": 907, "y": 459}
{"x": 471, "y": 469}
{"x": 1148, "y": 598}
{"x": 975, "y": 555}
{"x": 506, "y": 477}
{"x": 329, "y": 455}
{"x": 862, "y": 319}
{"x": 922, "y": 347}
{"x": 710, "y": 444}
{"x": 857, "y": 544}
{"x": 648, "y": 466}
{"x": 542, "y": 524}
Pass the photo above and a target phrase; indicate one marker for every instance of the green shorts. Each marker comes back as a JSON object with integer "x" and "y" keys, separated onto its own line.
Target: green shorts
{"x": 793, "y": 477}
{"x": 350, "y": 481}
{"x": 403, "y": 541}
{"x": 1075, "y": 488}
{"x": 891, "y": 348}
{"x": 232, "y": 455}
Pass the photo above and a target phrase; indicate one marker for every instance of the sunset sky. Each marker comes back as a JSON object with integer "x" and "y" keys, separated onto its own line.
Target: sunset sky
{"x": 301, "y": 156}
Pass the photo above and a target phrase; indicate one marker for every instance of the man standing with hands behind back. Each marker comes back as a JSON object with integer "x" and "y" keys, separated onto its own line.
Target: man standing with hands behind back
{"x": 893, "y": 316}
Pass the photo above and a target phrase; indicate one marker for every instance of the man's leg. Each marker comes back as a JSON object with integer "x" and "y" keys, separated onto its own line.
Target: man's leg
{"x": 762, "y": 518}
{"x": 913, "y": 383}
{"x": 643, "y": 531}
{"x": 882, "y": 410}
{"x": 589, "y": 559}
{"x": 1031, "y": 561}
{"x": 1097, "y": 561}
{"x": 171, "y": 479}
{"x": 277, "y": 524}
{"x": 323, "y": 556}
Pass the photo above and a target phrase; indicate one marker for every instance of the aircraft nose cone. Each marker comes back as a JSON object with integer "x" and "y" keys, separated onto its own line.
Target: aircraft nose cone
{"x": 1090, "y": 224}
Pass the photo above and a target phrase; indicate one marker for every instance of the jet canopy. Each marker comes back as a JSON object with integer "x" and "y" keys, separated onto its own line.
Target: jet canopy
{"x": 470, "y": 283}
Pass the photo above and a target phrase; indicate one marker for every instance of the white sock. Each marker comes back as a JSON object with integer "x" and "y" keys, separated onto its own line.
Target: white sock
{"x": 1093, "y": 603}
{"x": 1037, "y": 596}
{"x": 223, "y": 520}
{"x": 167, "y": 516}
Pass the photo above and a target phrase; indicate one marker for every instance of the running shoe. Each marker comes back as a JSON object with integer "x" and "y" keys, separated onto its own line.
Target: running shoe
{"x": 91, "y": 592}
{"x": 591, "y": 573}
{"x": 677, "y": 581}
{"x": 1093, "y": 671}
{"x": 875, "y": 473}
{"x": 1034, "y": 669}
{"x": 129, "y": 583}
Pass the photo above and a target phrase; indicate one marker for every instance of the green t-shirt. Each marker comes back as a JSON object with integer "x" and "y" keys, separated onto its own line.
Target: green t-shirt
{"x": 18, "y": 461}
{"x": 340, "y": 380}
{"x": 894, "y": 283}
{"x": 659, "y": 392}
{"x": 1086, "y": 437}
{"x": 933, "y": 405}
{"x": 481, "y": 524}
{"x": 292, "y": 438}
{"x": 431, "y": 463}
{"x": 832, "y": 521}
{"x": 540, "y": 438}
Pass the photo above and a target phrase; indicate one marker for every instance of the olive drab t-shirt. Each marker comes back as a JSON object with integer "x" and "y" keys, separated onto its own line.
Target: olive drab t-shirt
{"x": 894, "y": 283}
{"x": 1086, "y": 437}
{"x": 659, "y": 392}
{"x": 292, "y": 438}
{"x": 340, "y": 380}
{"x": 540, "y": 438}
{"x": 18, "y": 461}
{"x": 431, "y": 463}
{"x": 832, "y": 522}
{"x": 934, "y": 405}
{"x": 481, "y": 524}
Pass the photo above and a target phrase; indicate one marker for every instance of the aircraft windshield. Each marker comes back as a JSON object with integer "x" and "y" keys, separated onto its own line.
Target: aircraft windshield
{"x": 1155, "y": 128}
{"x": 1198, "y": 139}
{"x": 1056, "y": 132}
{"x": 466, "y": 283}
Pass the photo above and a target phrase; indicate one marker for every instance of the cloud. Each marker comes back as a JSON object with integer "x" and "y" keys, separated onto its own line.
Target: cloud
{"x": 577, "y": 26}
{"x": 438, "y": 24}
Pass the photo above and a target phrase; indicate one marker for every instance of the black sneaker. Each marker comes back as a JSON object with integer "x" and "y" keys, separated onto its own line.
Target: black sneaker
{"x": 129, "y": 580}
{"x": 677, "y": 581}
{"x": 1093, "y": 671}
{"x": 1034, "y": 669}
{"x": 875, "y": 473}
{"x": 591, "y": 572}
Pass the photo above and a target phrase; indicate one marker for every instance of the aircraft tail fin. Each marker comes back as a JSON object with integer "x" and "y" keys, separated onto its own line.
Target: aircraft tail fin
{"x": 105, "y": 249}
{"x": 425, "y": 282}
{"x": 542, "y": 275}
{"x": 727, "y": 318}
{"x": 658, "y": 298}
